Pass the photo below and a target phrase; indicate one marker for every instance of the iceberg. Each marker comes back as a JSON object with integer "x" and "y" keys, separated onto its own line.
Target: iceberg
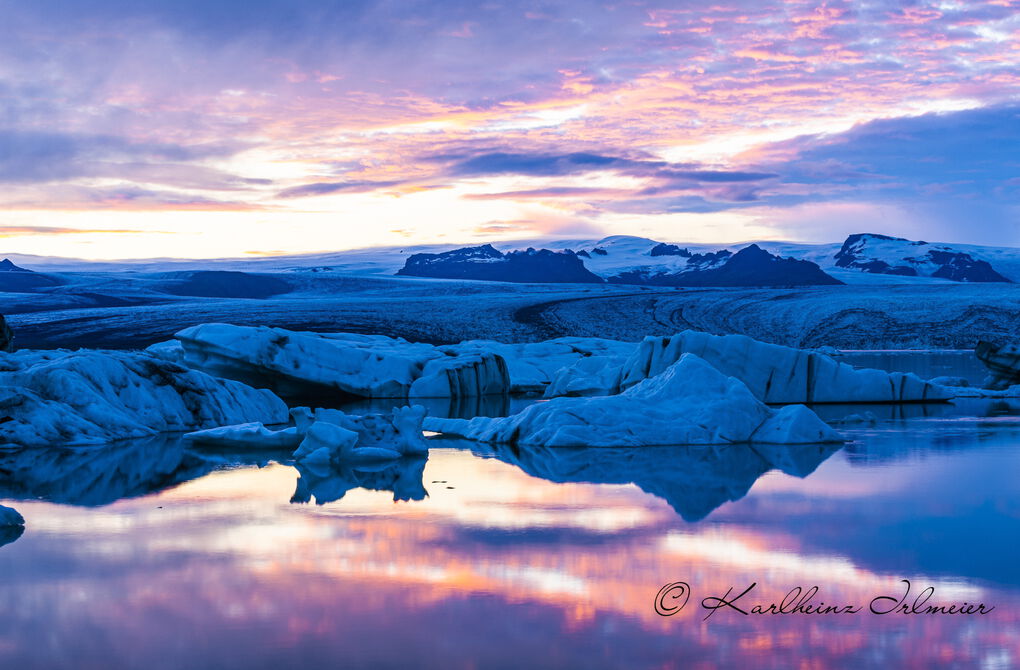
{"x": 330, "y": 436}
{"x": 534, "y": 365}
{"x": 10, "y": 517}
{"x": 688, "y": 403}
{"x": 246, "y": 436}
{"x": 367, "y": 366}
{"x": 777, "y": 374}
{"x": 93, "y": 397}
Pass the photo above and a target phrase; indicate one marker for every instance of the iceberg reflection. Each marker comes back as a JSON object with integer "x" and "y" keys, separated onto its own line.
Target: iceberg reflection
{"x": 694, "y": 480}
{"x": 328, "y": 484}
{"x": 94, "y": 476}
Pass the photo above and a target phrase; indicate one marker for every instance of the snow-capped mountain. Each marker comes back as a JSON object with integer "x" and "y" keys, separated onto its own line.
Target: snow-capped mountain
{"x": 881, "y": 254}
{"x": 486, "y": 263}
{"x": 620, "y": 260}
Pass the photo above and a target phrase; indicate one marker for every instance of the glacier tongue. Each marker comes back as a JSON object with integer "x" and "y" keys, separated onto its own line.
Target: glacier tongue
{"x": 92, "y": 397}
{"x": 690, "y": 402}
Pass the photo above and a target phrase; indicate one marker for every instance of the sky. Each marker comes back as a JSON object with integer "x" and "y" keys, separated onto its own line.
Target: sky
{"x": 205, "y": 128}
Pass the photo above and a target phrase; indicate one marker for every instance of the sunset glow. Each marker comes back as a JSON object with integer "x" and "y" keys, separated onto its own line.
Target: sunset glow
{"x": 194, "y": 129}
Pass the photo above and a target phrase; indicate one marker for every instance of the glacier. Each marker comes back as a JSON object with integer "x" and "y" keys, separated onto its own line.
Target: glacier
{"x": 690, "y": 402}
{"x": 92, "y": 397}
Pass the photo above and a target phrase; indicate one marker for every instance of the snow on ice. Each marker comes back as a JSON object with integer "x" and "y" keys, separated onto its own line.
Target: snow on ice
{"x": 92, "y": 397}
{"x": 375, "y": 366}
{"x": 368, "y": 366}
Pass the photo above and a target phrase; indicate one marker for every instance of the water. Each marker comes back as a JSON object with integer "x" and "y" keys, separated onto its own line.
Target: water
{"x": 150, "y": 555}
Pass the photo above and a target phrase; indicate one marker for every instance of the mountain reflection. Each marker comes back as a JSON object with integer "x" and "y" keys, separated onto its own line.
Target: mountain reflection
{"x": 694, "y": 480}
{"x": 329, "y": 484}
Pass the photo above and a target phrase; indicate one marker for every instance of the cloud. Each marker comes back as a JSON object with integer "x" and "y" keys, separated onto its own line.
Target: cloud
{"x": 16, "y": 231}
{"x": 30, "y": 156}
{"x": 328, "y": 187}
{"x": 573, "y": 104}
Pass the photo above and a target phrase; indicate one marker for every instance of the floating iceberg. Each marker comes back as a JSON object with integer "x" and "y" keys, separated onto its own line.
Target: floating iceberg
{"x": 368, "y": 366}
{"x": 775, "y": 374}
{"x": 533, "y": 366}
{"x": 690, "y": 402}
{"x": 247, "y": 436}
{"x": 1003, "y": 363}
{"x": 399, "y": 429}
{"x": 93, "y": 397}
{"x": 10, "y": 517}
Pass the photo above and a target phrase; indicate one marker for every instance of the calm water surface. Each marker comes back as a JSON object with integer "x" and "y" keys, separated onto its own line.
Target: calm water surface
{"x": 148, "y": 555}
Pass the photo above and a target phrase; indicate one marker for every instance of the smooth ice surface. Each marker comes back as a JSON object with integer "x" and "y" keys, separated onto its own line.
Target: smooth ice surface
{"x": 690, "y": 402}
{"x": 91, "y": 397}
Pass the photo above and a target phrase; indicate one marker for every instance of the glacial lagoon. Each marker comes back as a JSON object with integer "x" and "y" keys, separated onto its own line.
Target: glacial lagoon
{"x": 152, "y": 554}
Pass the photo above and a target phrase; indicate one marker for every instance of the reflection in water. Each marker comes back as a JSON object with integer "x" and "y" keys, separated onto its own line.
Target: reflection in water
{"x": 328, "y": 483}
{"x": 93, "y": 476}
{"x": 465, "y": 407}
{"x": 9, "y": 534}
{"x": 533, "y": 558}
{"x": 694, "y": 480}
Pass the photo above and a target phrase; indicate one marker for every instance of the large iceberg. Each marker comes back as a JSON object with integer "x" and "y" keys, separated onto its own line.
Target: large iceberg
{"x": 368, "y": 366}
{"x": 93, "y": 397}
{"x": 376, "y": 366}
{"x": 534, "y": 365}
{"x": 775, "y": 374}
{"x": 778, "y": 374}
{"x": 690, "y": 402}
